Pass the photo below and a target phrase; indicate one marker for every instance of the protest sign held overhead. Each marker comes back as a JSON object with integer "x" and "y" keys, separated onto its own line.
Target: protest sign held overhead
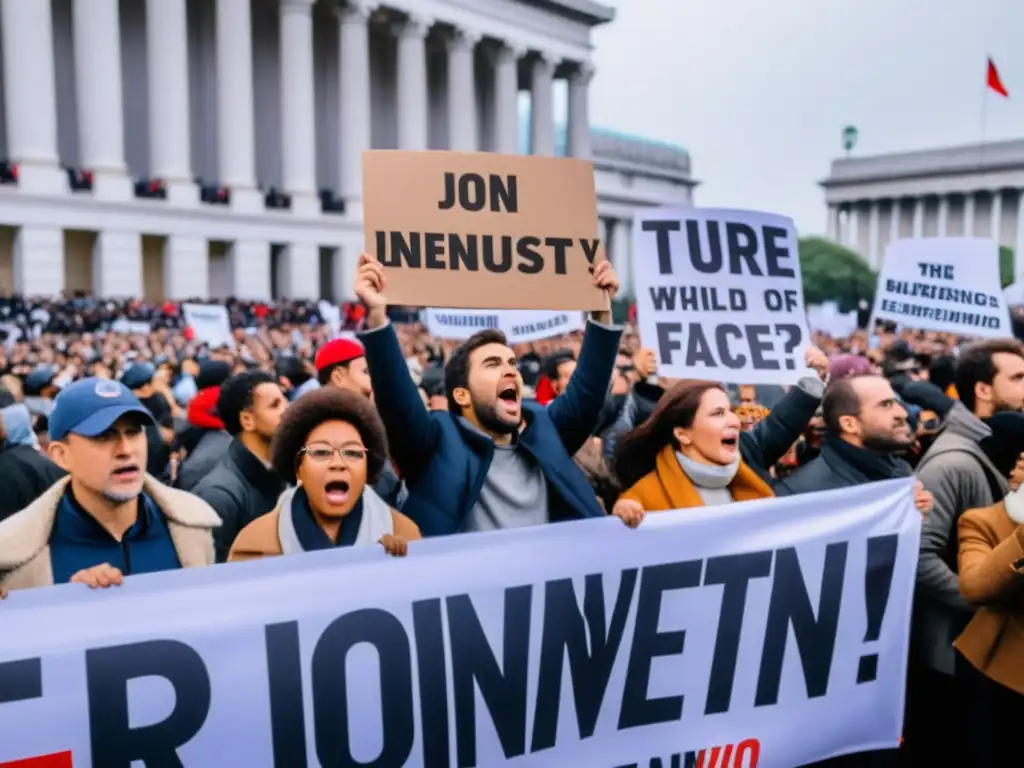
{"x": 479, "y": 230}
{"x": 578, "y": 644}
{"x": 719, "y": 295}
{"x": 518, "y": 325}
{"x": 944, "y": 284}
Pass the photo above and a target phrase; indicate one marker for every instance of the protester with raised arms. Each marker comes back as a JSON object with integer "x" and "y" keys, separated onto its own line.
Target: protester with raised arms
{"x": 108, "y": 519}
{"x": 492, "y": 461}
{"x": 332, "y": 443}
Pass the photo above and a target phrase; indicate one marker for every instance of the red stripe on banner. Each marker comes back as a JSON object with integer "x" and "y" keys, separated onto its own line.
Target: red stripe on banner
{"x": 56, "y": 760}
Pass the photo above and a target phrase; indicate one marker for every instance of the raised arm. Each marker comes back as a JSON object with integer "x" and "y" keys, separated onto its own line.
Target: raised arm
{"x": 576, "y": 411}
{"x": 412, "y": 433}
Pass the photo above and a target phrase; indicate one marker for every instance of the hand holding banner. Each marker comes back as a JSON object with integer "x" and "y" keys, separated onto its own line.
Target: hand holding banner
{"x": 580, "y": 643}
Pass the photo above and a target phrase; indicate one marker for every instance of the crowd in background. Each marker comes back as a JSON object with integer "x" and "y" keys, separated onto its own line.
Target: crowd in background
{"x": 137, "y": 447}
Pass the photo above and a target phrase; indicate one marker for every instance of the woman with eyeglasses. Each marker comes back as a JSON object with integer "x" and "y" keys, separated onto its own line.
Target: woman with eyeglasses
{"x": 332, "y": 444}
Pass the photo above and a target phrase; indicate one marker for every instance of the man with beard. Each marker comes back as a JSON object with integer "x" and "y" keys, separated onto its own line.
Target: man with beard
{"x": 491, "y": 461}
{"x": 243, "y": 485}
{"x": 866, "y": 434}
{"x": 108, "y": 519}
{"x": 989, "y": 379}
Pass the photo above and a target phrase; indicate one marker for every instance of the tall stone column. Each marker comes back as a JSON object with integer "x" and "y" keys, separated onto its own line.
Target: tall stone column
{"x": 354, "y": 101}
{"x": 542, "y": 105}
{"x": 996, "y": 222}
{"x": 186, "y": 265}
{"x": 31, "y": 97}
{"x": 170, "y": 147}
{"x": 919, "y": 217}
{"x": 97, "y": 34}
{"x": 969, "y": 203}
{"x": 236, "y": 112}
{"x": 506, "y": 99}
{"x": 874, "y": 255}
{"x": 621, "y": 234}
{"x": 943, "y": 215}
{"x": 117, "y": 264}
{"x": 833, "y": 222}
{"x": 578, "y": 131}
{"x": 412, "y": 83}
{"x": 894, "y": 220}
{"x": 463, "y": 131}
{"x": 38, "y": 260}
{"x": 298, "y": 114}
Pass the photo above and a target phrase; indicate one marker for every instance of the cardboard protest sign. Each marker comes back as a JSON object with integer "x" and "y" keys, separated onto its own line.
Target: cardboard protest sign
{"x": 518, "y": 325}
{"x": 943, "y": 284}
{"x": 484, "y": 231}
{"x": 719, "y": 295}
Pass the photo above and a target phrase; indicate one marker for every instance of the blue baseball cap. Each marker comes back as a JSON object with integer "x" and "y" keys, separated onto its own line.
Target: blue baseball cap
{"x": 90, "y": 406}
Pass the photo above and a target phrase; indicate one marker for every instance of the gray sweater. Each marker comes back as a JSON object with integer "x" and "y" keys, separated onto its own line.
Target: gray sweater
{"x": 952, "y": 470}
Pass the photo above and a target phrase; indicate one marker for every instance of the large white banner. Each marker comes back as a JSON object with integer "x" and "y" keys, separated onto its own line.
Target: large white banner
{"x": 719, "y": 294}
{"x": 768, "y": 633}
{"x": 947, "y": 284}
{"x": 518, "y": 325}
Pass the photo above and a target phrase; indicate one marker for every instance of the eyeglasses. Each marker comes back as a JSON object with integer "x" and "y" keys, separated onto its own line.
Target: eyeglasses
{"x": 321, "y": 453}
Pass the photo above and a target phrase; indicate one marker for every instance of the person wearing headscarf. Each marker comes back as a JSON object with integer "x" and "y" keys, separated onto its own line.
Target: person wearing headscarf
{"x": 25, "y": 473}
{"x": 330, "y": 447}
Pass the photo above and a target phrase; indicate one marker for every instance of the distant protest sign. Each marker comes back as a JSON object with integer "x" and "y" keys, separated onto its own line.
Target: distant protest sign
{"x": 483, "y": 231}
{"x": 946, "y": 284}
{"x": 210, "y": 323}
{"x": 518, "y": 325}
{"x": 719, "y": 295}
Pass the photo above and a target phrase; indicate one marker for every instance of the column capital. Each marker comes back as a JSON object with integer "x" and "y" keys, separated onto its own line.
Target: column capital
{"x": 463, "y": 39}
{"x": 415, "y": 25}
{"x": 356, "y": 11}
{"x": 546, "y": 58}
{"x": 582, "y": 73}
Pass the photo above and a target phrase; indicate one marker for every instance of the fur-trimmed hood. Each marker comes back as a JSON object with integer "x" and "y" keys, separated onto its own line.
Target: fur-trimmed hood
{"x": 25, "y": 536}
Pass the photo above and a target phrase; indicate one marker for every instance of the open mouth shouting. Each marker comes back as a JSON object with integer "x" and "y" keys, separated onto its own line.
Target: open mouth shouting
{"x": 508, "y": 400}
{"x": 129, "y": 473}
{"x": 730, "y": 441}
{"x": 336, "y": 492}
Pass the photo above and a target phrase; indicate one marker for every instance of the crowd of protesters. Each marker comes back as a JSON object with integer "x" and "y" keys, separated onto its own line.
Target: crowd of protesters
{"x": 130, "y": 446}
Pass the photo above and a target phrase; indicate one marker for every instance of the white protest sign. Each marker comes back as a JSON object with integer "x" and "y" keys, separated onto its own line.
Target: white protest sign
{"x": 719, "y": 295}
{"x": 210, "y": 323}
{"x": 519, "y": 325}
{"x": 578, "y": 644}
{"x": 946, "y": 284}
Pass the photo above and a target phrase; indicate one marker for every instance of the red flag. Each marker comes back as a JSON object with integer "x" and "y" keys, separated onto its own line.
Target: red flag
{"x": 994, "y": 82}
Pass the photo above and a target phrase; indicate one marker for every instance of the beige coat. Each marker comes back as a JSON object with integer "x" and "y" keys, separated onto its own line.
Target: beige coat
{"x": 25, "y": 536}
{"x": 990, "y": 576}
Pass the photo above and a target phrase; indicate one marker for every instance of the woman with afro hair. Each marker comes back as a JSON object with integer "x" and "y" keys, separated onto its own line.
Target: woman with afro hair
{"x": 331, "y": 446}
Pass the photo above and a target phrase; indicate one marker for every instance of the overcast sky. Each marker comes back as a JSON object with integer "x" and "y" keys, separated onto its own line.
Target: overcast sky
{"x": 758, "y": 92}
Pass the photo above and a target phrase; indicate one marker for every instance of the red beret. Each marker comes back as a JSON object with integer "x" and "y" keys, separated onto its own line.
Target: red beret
{"x": 337, "y": 352}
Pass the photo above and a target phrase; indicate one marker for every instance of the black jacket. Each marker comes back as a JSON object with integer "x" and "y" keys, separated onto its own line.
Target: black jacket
{"x": 202, "y": 458}
{"x": 24, "y": 474}
{"x": 240, "y": 489}
{"x": 834, "y": 469}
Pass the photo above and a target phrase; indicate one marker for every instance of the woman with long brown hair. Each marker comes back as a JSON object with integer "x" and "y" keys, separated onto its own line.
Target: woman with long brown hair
{"x": 687, "y": 454}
